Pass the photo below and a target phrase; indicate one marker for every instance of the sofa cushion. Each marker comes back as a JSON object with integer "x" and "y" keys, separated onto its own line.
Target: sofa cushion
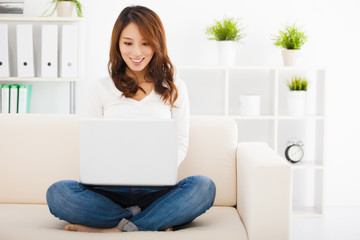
{"x": 212, "y": 150}
{"x": 34, "y": 222}
{"x": 36, "y": 151}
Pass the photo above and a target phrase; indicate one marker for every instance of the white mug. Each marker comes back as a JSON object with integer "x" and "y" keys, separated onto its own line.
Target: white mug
{"x": 249, "y": 105}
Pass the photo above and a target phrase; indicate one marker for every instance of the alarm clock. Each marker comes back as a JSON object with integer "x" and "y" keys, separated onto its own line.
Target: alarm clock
{"x": 294, "y": 152}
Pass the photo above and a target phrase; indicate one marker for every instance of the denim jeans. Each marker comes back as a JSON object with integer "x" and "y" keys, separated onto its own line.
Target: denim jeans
{"x": 105, "y": 207}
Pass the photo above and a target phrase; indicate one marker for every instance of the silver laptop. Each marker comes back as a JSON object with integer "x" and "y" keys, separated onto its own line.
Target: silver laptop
{"x": 125, "y": 152}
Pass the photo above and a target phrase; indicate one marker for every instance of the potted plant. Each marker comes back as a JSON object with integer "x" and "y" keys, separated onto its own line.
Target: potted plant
{"x": 227, "y": 32}
{"x": 291, "y": 39}
{"x": 64, "y": 8}
{"x": 297, "y": 95}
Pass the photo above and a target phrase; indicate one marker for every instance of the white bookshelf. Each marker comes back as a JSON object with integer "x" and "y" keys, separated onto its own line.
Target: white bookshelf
{"x": 215, "y": 91}
{"x": 57, "y": 89}
{"x": 37, "y": 79}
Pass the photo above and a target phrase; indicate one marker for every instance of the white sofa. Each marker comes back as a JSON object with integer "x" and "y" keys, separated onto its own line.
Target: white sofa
{"x": 253, "y": 199}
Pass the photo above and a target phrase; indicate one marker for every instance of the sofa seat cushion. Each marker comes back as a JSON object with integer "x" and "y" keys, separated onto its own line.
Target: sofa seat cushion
{"x": 34, "y": 222}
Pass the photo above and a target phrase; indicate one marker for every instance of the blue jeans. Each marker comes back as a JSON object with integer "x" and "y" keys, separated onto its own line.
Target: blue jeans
{"x": 105, "y": 207}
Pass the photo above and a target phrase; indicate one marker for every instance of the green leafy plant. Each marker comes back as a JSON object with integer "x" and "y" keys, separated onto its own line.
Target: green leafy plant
{"x": 291, "y": 37}
{"x": 227, "y": 29}
{"x": 54, "y": 3}
{"x": 297, "y": 84}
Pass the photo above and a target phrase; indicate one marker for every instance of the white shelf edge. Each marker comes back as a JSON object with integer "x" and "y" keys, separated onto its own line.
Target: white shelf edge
{"x": 261, "y": 117}
{"x": 266, "y": 117}
{"x": 307, "y": 117}
{"x": 37, "y": 79}
{"x": 207, "y": 115}
{"x": 307, "y": 165}
{"x": 307, "y": 215}
{"x": 250, "y": 67}
{"x": 224, "y": 67}
{"x": 40, "y": 19}
{"x": 307, "y": 212}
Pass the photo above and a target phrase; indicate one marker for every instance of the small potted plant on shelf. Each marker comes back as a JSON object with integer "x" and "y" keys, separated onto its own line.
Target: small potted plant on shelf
{"x": 64, "y": 8}
{"x": 291, "y": 39}
{"x": 227, "y": 32}
{"x": 297, "y": 95}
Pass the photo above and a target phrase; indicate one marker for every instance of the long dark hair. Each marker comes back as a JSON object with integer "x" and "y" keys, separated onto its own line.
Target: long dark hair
{"x": 160, "y": 69}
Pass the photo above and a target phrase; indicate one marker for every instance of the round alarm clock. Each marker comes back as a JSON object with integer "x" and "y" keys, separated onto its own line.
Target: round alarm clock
{"x": 294, "y": 152}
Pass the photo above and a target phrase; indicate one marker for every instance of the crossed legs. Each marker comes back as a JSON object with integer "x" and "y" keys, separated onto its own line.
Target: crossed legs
{"x": 89, "y": 211}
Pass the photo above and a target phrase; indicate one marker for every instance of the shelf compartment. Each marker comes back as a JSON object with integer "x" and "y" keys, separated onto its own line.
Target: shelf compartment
{"x": 41, "y": 100}
{"x": 206, "y": 90}
{"x": 307, "y": 192}
{"x": 315, "y": 94}
{"x": 36, "y": 28}
{"x": 252, "y": 82}
{"x": 309, "y": 131}
{"x": 265, "y": 131}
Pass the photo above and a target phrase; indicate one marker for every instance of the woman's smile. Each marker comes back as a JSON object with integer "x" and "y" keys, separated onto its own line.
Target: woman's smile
{"x": 137, "y": 61}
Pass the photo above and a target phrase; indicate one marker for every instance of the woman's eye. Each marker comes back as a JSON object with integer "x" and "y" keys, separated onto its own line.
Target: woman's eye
{"x": 146, "y": 44}
{"x": 127, "y": 43}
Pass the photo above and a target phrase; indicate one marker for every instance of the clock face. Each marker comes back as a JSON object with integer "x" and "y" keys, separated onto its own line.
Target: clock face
{"x": 294, "y": 153}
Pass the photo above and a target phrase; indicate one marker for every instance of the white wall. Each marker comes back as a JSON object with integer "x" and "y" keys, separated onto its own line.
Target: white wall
{"x": 334, "y": 37}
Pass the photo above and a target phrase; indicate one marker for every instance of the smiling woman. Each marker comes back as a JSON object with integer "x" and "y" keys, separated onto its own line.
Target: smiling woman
{"x": 141, "y": 85}
{"x": 138, "y": 54}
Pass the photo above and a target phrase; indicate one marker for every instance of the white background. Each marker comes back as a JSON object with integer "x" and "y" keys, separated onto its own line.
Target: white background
{"x": 333, "y": 28}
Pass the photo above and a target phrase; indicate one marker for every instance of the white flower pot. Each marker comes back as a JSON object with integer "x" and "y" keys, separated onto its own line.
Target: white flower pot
{"x": 226, "y": 53}
{"x": 65, "y": 9}
{"x": 290, "y": 56}
{"x": 249, "y": 105}
{"x": 296, "y": 103}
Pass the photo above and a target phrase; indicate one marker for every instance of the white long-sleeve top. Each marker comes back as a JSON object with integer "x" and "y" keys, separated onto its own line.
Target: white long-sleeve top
{"x": 105, "y": 100}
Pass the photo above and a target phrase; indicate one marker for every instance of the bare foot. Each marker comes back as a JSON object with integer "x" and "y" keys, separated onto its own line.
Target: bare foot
{"x": 82, "y": 228}
{"x": 170, "y": 229}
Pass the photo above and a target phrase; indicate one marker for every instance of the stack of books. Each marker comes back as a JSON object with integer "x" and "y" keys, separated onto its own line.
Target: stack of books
{"x": 15, "y": 98}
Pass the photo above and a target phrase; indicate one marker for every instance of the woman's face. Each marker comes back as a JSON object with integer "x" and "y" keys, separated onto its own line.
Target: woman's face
{"x": 134, "y": 49}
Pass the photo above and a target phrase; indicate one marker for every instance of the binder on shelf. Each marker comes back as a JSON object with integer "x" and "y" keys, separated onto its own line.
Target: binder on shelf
{"x": 4, "y": 51}
{"x": 25, "y": 50}
{"x": 69, "y": 51}
{"x": 14, "y": 93}
{"x": 49, "y": 51}
{"x": 24, "y": 98}
{"x": 5, "y": 98}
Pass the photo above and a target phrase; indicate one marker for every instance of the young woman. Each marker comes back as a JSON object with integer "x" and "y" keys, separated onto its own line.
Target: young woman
{"x": 142, "y": 84}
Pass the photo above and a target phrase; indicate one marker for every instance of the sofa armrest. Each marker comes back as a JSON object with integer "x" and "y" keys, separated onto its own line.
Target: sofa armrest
{"x": 264, "y": 187}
